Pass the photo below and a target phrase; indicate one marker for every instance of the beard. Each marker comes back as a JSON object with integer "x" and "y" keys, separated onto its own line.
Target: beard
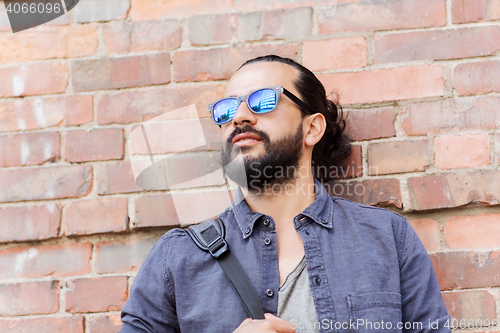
{"x": 275, "y": 167}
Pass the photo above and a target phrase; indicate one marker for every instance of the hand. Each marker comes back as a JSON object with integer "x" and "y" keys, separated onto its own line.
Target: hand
{"x": 271, "y": 324}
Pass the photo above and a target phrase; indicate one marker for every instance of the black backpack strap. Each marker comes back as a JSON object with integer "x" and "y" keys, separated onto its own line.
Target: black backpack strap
{"x": 209, "y": 236}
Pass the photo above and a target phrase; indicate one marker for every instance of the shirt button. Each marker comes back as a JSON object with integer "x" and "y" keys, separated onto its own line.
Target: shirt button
{"x": 324, "y": 221}
{"x": 269, "y": 293}
{"x": 266, "y": 222}
{"x": 248, "y": 231}
{"x": 267, "y": 241}
{"x": 317, "y": 280}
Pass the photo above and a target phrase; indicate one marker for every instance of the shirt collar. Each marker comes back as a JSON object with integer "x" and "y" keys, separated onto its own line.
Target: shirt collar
{"x": 319, "y": 211}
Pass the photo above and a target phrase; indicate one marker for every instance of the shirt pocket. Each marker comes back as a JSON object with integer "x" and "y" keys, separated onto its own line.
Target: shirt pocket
{"x": 375, "y": 312}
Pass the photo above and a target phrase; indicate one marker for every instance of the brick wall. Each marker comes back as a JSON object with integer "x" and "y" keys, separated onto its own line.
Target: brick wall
{"x": 419, "y": 80}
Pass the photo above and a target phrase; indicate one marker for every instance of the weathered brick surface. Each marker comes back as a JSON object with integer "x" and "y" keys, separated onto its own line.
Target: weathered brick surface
{"x": 211, "y": 29}
{"x": 398, "y": 157}
{"x": 132, "y": 71}
{"x": 132, "y": 106}
{"x": 459, "y": 270}
{"x": 123, "y": 256}
{"x": 335, "y": 53}
{"x": 96, "y": 216}
{"x": 35, "y": 79}
{"x": 477, "y": 78}
{"x": 462, "y": 151}
{"x": 377, "y": 192}
{"x": 370, "y": 124}
{"x": 382, "y": 15}
{"x": 45, "y": 260}
{"x": 221, "y": 63}
{"x": 95, "y": 10}
{"x": 496, "y": 138}
{"x": 428, "y": 232}
{"x": 279, "y": 24}
{"x": 45, "y": 183}
{"x": 29, "y": 298}
{"x": 29, "y": 149}
{"x": 475, "y": 10}
{"x": 454, "y": 190}
{"x": 97, "y": 294}
{"x": 352, "y": 165}
{"x": 154, "y": 10}
{"x": 451, "y": 114}
{"x": 49, "y": 43}
{"x": 156, "y": 36}
{"x": 473, "y": 231}
{"x": 96, "y": 145}
{"x": 386, "y": 84}
{"x": 117, "y": 36}
{"x": 105, "y": 324}
{"x": 428, "y": 45}
{"x": 477, "y": 306}
{"x": 43, "y": 325}
{"x": 29, "y": 222}
{"x": 115, "y": 177}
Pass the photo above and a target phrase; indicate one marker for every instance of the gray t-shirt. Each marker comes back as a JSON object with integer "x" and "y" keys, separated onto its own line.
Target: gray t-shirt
{"x": 295, "y": 301}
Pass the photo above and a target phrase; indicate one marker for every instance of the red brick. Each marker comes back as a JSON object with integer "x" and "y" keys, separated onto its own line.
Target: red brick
{"x": 377, "y": 192}
{"x": 154, "y": 10}
{"x": 96, "y": 216}
{"x": 156, "y": 36}
{"x": 428, "y": 232}
{"x": 98, "y": 294}
{"x": 37, "y": 79}
{"x": 134, "y": 106}
{"x": 29, "y": 298}
{"x": 43, "y": 325}
{"x": 45, "y": 260}
{"x": 28, "y": 114}
{"x": 133, "y": 71}
{"x": 477, "y": 78}
{"x": 276, "y": 24}
{"x": 496, "y": 137}
{"x": 29, "y": 222}
{"x": 221, "y": 63}
{"x": 352, "y": 166}
{"x": 398, "y": 157}
{"x": 96, "y": 145}
{"x": 451, "y": 114}
{"x": 29, "y": 149}
{"x": 370, "y": 124}
{"x": 105, "y": 324}
{"x": 49, "y": 43}
{"x": 211, "y": 29}
{"x": 123, "y": 256}
{"x": 334, "y": 53}
{"x": 382, "y": 15}
{"x": 473, "y": 231}
{"x": 462, "y": 151}
{"x": 189, "y": 208}
{"x": 4, "y": 20}
{"x": 459, "y": 270}
{"x": 454, "y": 190}
{"x": 115, "y": 177}
{"x": 93, "y": 11}
{"x": 386, "y": 84}
{"x": 117, "y": 36}
{"x": 428, "y": 45}
{"x": 45, "y": 183}
{"x": 475, "y": 306}
{"x": 464, "y": 11}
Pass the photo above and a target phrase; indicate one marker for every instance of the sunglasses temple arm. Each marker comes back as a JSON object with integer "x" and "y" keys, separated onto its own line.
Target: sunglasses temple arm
{"x": 297, "y": 101}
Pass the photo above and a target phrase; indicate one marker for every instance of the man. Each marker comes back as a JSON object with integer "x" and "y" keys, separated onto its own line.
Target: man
{"x": 318, "y": 264}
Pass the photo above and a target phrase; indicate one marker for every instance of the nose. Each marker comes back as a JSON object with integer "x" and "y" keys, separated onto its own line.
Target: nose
{"x": 243, "y": 116}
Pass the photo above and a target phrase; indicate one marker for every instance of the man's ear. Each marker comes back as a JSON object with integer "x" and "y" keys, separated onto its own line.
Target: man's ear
{"x": 315, "y": 127}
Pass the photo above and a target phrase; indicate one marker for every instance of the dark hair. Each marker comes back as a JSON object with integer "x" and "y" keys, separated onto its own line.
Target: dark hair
{"x": 334, "y": 146}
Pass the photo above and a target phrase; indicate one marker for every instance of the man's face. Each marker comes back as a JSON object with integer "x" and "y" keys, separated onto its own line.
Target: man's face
{"x": 270, "y": 142}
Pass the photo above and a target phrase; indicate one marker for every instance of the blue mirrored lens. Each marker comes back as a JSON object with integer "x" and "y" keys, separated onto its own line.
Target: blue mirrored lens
{"x": 263, "y": 101}
{"x": 224, "y": 110}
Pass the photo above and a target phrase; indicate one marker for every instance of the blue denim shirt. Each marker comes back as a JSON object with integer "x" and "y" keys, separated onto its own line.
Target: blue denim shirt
{"x": 368, "y": 272}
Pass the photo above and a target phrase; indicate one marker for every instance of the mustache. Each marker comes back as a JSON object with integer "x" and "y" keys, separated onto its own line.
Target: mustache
{"x": 246, "y": 129}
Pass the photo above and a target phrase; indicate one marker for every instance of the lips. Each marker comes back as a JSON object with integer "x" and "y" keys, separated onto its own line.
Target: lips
{"x": 246, "y": 138}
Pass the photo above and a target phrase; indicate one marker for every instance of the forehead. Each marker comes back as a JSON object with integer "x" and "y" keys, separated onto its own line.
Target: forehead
{"x": 261, "y": 75}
